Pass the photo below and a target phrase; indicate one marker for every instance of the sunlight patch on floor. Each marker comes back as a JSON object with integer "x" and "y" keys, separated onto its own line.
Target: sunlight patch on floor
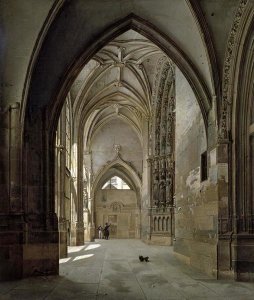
{"x": 75, "y": 249}
{"x": 94, "y": 246}
{"x": 83, "y": 257}
{"x": 64, "y": 260}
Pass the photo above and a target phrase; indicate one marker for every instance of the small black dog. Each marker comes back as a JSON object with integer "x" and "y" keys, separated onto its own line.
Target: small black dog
{"x": 142, "y": 258}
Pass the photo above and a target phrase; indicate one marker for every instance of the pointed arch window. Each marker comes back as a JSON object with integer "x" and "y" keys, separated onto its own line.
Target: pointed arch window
{"x": 116, "y": 183}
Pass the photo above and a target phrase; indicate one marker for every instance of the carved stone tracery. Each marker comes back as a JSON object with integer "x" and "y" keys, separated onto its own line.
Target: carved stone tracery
{"x": 225, "y": 113}
{"x": 163, "y": 130}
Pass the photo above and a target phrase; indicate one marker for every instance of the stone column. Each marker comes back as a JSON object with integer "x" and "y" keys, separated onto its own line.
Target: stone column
{"x": 89, "y": 211}
{"x": 28, "y": 231}
{"x": 14, "y": 157}
{"x": 62, "y": 217}
{"x": 74, "y": 208}
{"x": 225, "y": 212}
{"x": 91, "y": 225}
{"x": 60, "y": 184}
{"x": 12, "y": 225}
{"x": 41, "y": 242}
{"x": 235, "y": 242}
{"x": 77, "y": 208}
{"x": 144, "y": 193}
{"x": 79, "y": 226}
{"x": 149, "y": 194}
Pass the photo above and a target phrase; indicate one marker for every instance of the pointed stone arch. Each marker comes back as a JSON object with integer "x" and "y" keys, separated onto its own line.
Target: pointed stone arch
{"x": 140, "y": 25}
{"x": 46, "y": 94}
{"x": 128, "y": 170}
{"x": 116, "y": 167}
{"x": 42, "y": 111}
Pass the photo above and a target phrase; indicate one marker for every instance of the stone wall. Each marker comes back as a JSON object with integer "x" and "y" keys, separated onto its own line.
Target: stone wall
{"x": 120, "y": 208}
{"x": 116, "y": 132}
{"x": 196, "y": 201}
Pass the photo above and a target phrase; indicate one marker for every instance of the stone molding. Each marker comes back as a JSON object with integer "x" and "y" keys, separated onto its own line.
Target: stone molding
{"x": 228, "y": 74}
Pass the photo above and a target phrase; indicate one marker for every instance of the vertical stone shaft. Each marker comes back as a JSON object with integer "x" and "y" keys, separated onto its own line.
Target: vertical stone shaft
{"x": 14, "y": 159}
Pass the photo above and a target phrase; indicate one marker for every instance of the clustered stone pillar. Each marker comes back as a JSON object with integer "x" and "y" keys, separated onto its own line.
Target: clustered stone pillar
{"x": 225, "y": 225}
{"x": 41, "y": 243}
{"x": 79, "y": 226}
{"x": 60, "y": 176}
{"x": 12, "y": 224}
{"x": 88, "y": 201}
{"x": 235, "y": 231}
{"x": 14, "y": 152}
{"x": 28, "y": 231}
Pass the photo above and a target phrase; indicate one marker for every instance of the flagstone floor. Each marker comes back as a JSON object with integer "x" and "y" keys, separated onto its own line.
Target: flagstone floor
{"x": 111, "y": 270}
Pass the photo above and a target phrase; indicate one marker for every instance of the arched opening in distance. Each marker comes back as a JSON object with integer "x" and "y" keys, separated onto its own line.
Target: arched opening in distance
{"x": 137, "y": 84}
{"x": 115, "y": 183}
{"x": 128, "y": 89}
{"x": 129, "y": 108}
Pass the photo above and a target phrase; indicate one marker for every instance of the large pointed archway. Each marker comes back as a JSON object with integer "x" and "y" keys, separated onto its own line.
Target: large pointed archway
{"x": 116, "y": 205}
{"x": 42, "y": 111}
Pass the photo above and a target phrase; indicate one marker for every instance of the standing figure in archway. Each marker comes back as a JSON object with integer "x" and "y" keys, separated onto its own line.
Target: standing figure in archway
{"x": 106, "y": 231}
{"x": 100, "y": 229}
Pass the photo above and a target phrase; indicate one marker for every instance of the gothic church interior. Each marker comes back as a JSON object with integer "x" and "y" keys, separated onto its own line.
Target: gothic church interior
{"x": 135, "y": 113}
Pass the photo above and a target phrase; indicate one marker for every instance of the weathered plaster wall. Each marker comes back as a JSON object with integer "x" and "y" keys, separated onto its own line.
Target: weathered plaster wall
{"x": 120, "y": 208}
{"x": 116, "y": 132}
{"x": 196, "y": 205}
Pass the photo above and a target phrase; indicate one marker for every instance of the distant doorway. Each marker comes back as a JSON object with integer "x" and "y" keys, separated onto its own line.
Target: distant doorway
{"x": 116, "y": 203}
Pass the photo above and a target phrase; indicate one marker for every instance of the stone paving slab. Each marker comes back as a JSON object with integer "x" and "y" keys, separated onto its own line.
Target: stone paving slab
{"x": 229, "y": 289}
{"x": 73, "y": 290}
{"x": 111, "y": 270}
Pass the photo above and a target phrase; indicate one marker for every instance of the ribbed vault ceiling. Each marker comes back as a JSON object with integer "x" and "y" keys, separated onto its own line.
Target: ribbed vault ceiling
{"x": 116, "y": 83}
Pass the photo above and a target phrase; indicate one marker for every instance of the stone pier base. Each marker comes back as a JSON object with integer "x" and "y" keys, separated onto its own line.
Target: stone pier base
{"x": 24, "y": 254}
